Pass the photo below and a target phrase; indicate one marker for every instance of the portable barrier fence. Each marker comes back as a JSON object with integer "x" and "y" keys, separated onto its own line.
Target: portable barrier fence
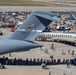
{"x": 36, "y": 61}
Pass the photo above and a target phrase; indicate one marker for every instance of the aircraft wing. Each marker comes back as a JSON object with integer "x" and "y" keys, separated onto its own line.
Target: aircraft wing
{"x": 10, "y": 45}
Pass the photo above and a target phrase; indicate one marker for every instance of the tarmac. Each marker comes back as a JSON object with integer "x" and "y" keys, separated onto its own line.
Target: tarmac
{"x": 62, "y": 2}
{"x": 38, "y": 53}
{"x": 34, "y": 8}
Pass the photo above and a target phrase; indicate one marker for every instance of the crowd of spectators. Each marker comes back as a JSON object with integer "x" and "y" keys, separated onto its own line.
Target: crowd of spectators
{"x": 10, "y": 18}
{"x": 35, "y": 61}
{"x": 67, "y": 19}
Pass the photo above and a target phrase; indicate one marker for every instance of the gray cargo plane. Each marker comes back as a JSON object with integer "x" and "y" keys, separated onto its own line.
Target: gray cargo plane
{"x": 22, "y": 38}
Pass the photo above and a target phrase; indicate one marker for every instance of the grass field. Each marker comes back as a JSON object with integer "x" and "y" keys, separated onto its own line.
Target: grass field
{"x": 22, "y": 3}
{"x": 25, "y": 3}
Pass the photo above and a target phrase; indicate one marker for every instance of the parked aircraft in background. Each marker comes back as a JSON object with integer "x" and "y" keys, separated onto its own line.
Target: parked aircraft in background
{"x": 62, "y": 37}
{"x": 21, "y": 39}
{"x": 63, "y": 27}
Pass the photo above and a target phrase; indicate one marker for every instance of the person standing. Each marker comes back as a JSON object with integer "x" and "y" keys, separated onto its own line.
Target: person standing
{"x": 64, "y": 74}
{"x": 63, "y": 53}
{"x": 69, "y": 51}
{"x": 73, "y": 52}
{"x": 50, "y": 73}
{"x": 10, "y": 54}
{"x": 52, "y": 47}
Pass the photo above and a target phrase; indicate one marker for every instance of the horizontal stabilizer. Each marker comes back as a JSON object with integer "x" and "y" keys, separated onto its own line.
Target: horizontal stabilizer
{"x": 48, "y": 17}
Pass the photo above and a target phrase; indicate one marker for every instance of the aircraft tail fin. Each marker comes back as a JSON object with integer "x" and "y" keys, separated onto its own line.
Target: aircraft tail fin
{"x": 31, "y": 28}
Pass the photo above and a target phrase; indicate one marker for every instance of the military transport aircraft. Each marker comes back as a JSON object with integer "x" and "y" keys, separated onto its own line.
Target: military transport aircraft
{"x": 21, "y": 39}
